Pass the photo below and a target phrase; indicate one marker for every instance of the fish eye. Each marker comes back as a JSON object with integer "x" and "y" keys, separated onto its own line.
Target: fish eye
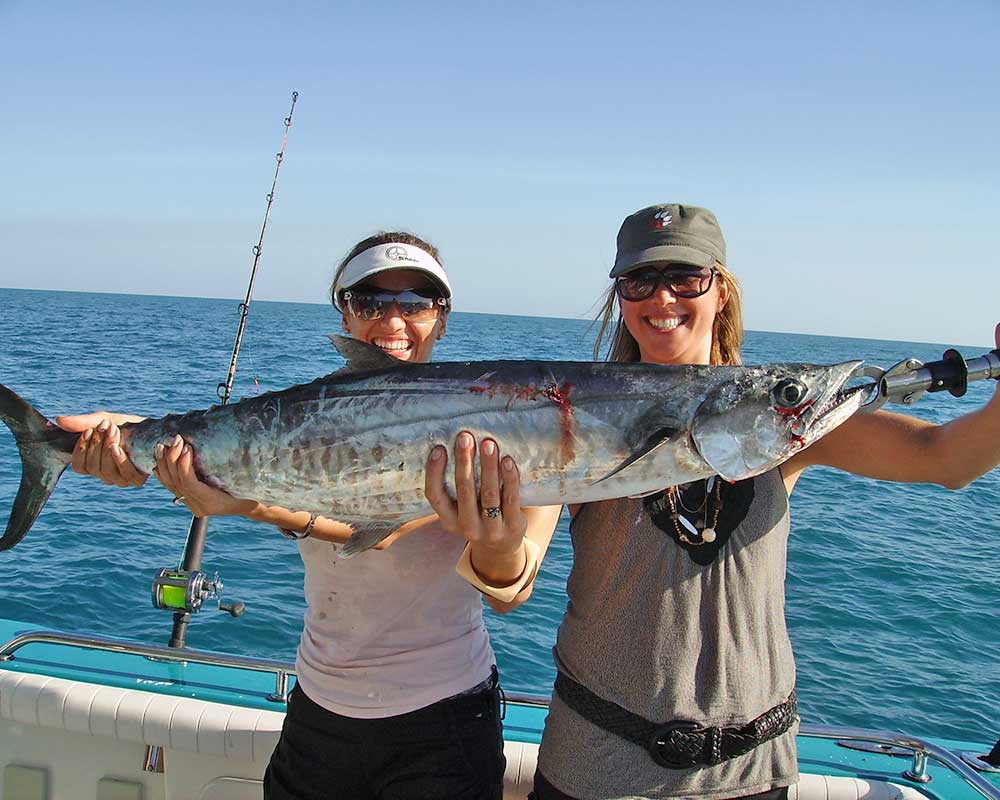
{"x": 788, "y": 393}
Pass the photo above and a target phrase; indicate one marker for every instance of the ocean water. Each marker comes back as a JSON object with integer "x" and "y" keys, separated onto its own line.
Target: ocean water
{"x": 892, "y": 592}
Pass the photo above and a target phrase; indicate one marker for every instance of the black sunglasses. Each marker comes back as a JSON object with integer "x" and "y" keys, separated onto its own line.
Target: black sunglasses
{"x": 686, "y": 282}
{"x": 370, "y": 304}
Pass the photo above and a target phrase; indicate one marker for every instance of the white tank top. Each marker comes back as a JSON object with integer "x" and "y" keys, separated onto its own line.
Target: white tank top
{"x": 390, "y": 631}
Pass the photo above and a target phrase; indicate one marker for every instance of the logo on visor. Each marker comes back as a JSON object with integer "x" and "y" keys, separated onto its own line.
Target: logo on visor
{"x": 397, "y": 253}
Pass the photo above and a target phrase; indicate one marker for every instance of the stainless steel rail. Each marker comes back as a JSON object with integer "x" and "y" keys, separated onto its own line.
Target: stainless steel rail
{"x": 281, "y": 669}
{"x": 921, "y": 748}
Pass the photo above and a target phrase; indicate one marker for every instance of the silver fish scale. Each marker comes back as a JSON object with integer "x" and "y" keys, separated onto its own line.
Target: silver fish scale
{"x": 357, "y": 448}
{"x": 353, "y": 446}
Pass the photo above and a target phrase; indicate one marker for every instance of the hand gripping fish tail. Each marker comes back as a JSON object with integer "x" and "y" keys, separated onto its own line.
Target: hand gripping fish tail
{"x": 45, "y": 453}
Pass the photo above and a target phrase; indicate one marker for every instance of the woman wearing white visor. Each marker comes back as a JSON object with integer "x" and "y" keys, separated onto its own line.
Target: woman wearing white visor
{"x": 397, "y": 694}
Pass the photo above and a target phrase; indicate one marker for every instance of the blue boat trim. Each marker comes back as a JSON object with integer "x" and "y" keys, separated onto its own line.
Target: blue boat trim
{"x": 128, "y": 679}
{"x": 224, "y": 678}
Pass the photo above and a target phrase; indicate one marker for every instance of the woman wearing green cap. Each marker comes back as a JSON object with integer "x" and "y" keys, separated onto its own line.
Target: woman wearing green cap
{"x": 676, "y": 676}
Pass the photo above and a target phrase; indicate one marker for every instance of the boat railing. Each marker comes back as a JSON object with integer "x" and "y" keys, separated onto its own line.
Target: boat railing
{"x": 883, "y": 741}
{"x": 282, "y": 670}
{"x": 921, "y": 749}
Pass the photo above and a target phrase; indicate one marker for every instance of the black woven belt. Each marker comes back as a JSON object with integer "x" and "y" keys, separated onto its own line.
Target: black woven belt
{"x": 679, "y": 744}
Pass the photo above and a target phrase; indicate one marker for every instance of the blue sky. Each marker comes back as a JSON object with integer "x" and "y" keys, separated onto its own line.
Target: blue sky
{"x": 849, "y": 149}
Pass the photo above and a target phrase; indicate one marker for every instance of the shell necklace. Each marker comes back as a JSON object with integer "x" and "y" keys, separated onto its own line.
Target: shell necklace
{"x": 706, "y": 533}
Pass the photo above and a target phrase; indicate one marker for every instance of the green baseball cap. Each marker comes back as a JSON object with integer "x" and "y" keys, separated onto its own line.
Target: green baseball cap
{"x": 669, "y": 232}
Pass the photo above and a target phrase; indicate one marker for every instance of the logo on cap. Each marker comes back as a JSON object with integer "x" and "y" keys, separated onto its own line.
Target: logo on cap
{"x": 660, "y": 220}
{"x": 397, "y": 253}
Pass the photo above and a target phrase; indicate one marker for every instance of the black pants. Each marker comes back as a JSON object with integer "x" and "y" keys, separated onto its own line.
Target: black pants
{"x": 451, "y": 750}
{"x": 546, "y": 791}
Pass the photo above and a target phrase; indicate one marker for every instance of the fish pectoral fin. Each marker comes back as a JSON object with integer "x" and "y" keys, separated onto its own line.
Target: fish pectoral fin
{"x": 361, "y": 356}
{"x": 661, "y": 437}
{"x": 366, "y": 535}
{"x": 644, "y": 494}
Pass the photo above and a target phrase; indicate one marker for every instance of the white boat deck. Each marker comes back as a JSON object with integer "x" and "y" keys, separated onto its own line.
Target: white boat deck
{"x": 72, "y": 740}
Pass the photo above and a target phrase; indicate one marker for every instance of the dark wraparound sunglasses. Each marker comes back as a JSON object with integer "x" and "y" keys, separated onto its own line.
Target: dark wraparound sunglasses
{"x": 686, "y": 282}
{"x": 373, "y": 304}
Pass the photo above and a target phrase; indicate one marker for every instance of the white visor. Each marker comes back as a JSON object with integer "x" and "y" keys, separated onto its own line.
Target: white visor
{"x": 392, "y": 256}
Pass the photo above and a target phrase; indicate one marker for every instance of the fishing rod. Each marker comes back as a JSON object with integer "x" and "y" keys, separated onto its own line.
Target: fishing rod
{"x": 908, "y": 381}
{"x": 225, "y": 390}
{"x": 183, "y": 590}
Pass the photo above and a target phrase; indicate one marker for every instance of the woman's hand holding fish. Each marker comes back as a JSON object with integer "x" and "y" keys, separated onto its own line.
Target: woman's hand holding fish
{"x": 506, "y": 542}
{"x": 175, "y": 470}
{"x": 98, "y": 451}
{"x": 491, "y": 518}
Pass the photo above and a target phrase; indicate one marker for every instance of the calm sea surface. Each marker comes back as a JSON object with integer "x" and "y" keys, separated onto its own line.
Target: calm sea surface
{"x": 893, "y": 591}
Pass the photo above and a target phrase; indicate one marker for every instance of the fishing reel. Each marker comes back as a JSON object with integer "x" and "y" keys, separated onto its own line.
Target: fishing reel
{"x": 184, "y": 591}
{"x": 907, "y": 381}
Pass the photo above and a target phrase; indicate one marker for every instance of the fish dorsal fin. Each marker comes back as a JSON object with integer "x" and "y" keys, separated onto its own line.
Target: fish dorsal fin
{"x": 657, "y": 439}
{"x": 361, "y": 356}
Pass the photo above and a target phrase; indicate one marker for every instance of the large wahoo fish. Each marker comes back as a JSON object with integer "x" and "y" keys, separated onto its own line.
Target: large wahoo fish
{"x": 352, "y": 445}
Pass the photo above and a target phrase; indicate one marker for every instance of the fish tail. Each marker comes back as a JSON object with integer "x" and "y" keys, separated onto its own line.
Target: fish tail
{"x": 45, "y": 453}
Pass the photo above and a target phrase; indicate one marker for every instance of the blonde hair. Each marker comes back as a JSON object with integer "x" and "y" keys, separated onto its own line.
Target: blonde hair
{"x": 727, "y": 329}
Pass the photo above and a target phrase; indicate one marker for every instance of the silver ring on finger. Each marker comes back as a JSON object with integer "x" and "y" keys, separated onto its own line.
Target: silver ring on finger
{"x": 492, "y": 511}
{"x": 179, "y": 500}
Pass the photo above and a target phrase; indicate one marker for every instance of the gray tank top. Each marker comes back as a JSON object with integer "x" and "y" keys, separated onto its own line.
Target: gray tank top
{"x": 650, "y": 629}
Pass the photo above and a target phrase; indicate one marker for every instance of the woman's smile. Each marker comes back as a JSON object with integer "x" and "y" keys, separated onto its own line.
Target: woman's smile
{"x": 665, "y": 323}
{"x": 392, "y": 345}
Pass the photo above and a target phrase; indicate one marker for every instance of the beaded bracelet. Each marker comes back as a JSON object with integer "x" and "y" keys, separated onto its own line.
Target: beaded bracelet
{"x": 300, "y": 534}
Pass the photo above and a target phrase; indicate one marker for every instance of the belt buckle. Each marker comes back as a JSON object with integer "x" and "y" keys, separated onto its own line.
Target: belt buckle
{"x": 673, "y": 758}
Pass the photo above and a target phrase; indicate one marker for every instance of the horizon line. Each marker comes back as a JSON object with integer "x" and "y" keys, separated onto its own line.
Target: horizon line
{"x": 480, "y": 313}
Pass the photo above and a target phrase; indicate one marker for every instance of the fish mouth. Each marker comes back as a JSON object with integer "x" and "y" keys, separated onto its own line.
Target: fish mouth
{"x": 831, "y": 408}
